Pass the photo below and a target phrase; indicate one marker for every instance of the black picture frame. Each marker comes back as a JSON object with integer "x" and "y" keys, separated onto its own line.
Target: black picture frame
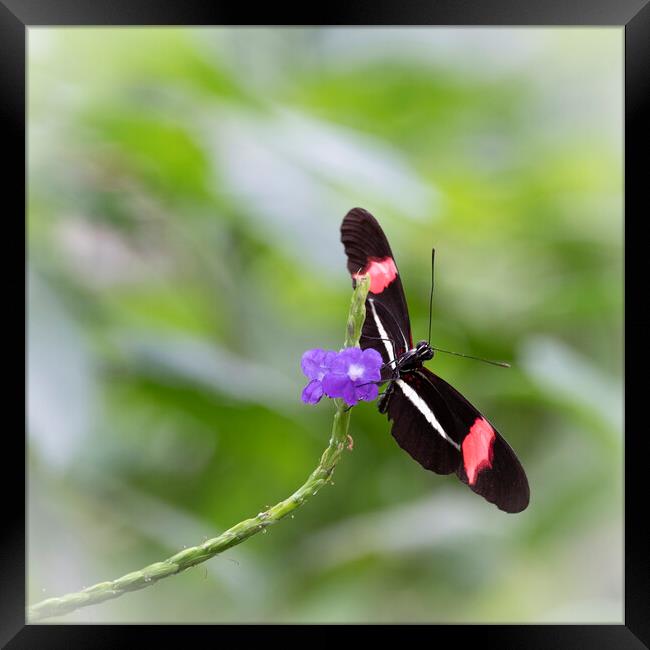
{"x": 16, "y": 16}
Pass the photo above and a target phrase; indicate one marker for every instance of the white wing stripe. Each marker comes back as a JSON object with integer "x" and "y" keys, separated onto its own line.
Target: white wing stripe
{"x": 422, "y": 406}
{"x": 382, "y": 332}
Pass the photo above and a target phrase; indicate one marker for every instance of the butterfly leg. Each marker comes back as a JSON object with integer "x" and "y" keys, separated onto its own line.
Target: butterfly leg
{"x": 383, "y": 402}
{"x": 385, "y": 396}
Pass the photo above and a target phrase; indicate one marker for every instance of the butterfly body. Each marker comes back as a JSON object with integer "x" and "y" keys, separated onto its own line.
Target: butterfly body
{"x": 413, "y": 359}
{"x": 409, "y": 361}
{"x": 430, "y": 419}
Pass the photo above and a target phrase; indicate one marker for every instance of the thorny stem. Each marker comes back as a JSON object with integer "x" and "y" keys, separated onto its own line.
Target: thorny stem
{"x": 190, "y": 557}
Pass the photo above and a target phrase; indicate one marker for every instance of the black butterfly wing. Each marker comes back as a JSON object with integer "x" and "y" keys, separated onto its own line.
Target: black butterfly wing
{"x": 490, "y": 467}
{"x": 425, "y": 408}
{"x": 387, "y": 315}
{"x": 421, "y": 420}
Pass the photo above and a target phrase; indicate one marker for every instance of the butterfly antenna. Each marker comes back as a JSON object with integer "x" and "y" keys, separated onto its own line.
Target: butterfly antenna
{"x": 501, "y": 364}
{"x": 433, "y": 257}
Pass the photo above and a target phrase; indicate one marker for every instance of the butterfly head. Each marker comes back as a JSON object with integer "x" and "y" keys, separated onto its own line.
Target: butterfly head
{"x": 424, "y": 351}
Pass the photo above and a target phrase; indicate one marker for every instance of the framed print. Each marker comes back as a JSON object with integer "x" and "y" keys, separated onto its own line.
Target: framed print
{"x": 254, "y": 394}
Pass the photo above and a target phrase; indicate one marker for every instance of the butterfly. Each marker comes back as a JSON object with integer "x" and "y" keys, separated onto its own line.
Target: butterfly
{"x": 430, "y": 419}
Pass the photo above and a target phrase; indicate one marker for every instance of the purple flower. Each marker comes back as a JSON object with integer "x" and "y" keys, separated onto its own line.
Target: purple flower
{"x": 315, "y": 364}
{"x": 349, "y": 374}
{"x": 352, "y": 374}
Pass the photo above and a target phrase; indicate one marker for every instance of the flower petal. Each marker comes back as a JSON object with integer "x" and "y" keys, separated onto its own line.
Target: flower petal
{"x": 346, "y": 358}
{"x": 367, "y": 392}
{"x": 316, "y": 363}
{"x": 335, "y": 384}
{"x": 312, "y": 392}
{"x": 349, "y": 394}
{"x": 351, "y": 355}
{"x": 372, "y": 362}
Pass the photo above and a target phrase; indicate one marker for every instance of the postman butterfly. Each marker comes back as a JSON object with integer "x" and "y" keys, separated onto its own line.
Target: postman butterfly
{"x": 430, "y": 419}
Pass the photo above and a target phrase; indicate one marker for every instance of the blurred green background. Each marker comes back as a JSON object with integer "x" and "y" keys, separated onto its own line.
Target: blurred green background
{"x": 186, "y": 188}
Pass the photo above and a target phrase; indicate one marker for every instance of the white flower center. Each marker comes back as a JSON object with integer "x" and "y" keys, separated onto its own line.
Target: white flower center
{"x": 355, "y": 371}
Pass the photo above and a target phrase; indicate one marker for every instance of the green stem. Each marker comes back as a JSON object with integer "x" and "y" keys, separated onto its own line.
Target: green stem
{"x": 190, "y": 557}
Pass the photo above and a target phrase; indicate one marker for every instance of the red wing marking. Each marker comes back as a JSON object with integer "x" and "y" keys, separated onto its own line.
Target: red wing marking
{"x": 382, "y": 272}
{"x": 477, "y": 449}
